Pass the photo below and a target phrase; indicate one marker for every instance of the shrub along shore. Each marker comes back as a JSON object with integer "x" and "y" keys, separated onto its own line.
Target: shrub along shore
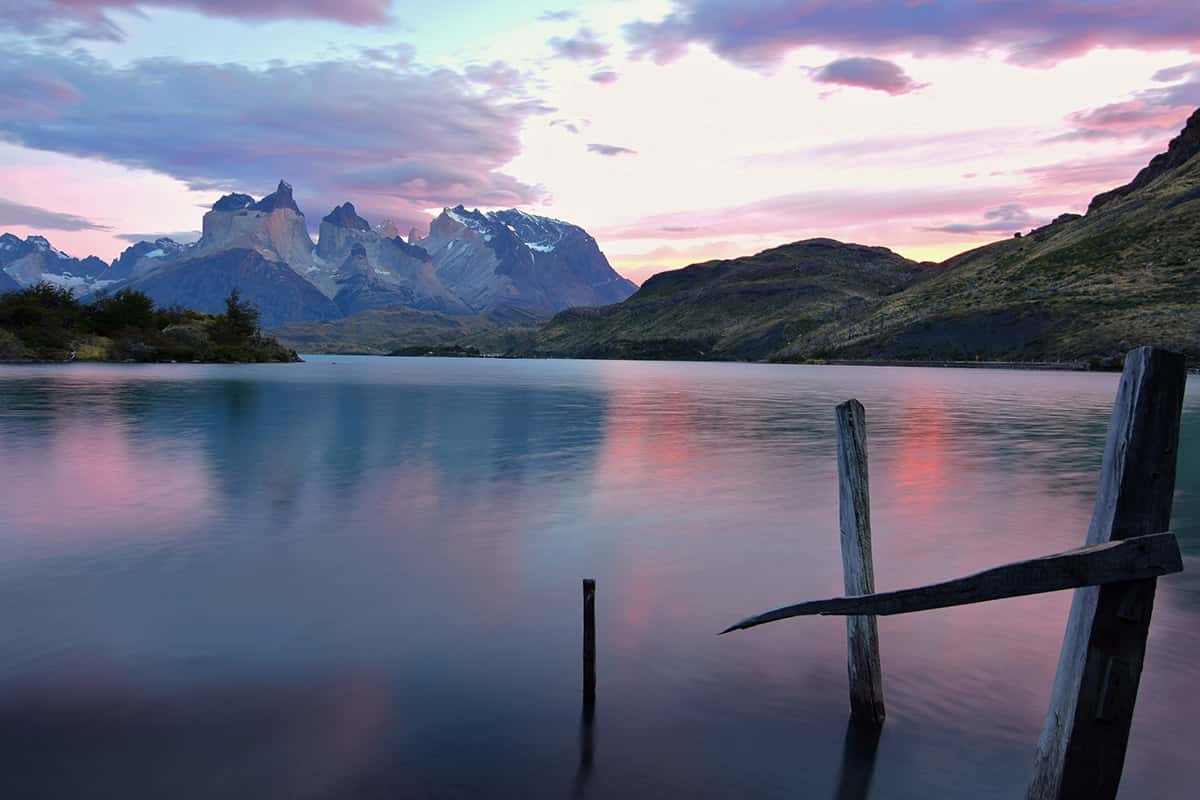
{"x": 46, "y": 322}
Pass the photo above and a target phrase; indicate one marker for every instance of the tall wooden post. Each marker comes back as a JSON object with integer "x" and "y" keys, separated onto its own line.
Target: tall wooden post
{"x": 1081, "y": 751}
{"x": 589, "y": 642}
{"x": 854, "y": 512}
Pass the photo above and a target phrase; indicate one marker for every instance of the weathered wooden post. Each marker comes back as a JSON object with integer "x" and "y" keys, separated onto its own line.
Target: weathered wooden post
{"x": 858, "y": 571}
{"x": 589, "y": 642}
{"x": 1081, "y": 751}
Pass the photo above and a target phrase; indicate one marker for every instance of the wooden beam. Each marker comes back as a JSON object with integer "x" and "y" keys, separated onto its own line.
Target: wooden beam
{"x": 1101, "y": 564}
{"x": 1081, "y": 752}
{"x": 858, "y": 571}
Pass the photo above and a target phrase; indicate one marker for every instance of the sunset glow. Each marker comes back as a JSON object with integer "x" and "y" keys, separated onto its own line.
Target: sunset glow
{"x": 670, "y": 133}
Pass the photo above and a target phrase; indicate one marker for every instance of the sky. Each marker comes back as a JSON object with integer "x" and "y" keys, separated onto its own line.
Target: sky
{"x": 673, "y": 131}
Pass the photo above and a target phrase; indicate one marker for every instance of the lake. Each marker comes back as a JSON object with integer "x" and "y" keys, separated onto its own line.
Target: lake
{"x": 360, "y": 578}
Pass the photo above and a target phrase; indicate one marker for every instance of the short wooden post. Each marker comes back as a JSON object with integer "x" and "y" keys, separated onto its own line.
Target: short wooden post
{"x": 858, "y": 571}
{"x": 589, "y": 641}
{"x": 1081, "y": 751}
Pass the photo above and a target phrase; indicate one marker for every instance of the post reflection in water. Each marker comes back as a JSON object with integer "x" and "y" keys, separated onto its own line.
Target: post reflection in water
{"x": 587, "y": 745}
{"x": 858, "y": 762}
{"x": 365, "y": 575}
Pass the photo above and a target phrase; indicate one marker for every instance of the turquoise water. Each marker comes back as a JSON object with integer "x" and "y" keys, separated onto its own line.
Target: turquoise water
{"x": 360, "y": 578}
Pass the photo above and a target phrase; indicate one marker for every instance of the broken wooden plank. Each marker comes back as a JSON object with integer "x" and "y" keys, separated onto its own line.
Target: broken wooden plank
{"x": 1081, "y": 751}
{"x": 858, "y": 572}
{"x": 1109, "y": 563}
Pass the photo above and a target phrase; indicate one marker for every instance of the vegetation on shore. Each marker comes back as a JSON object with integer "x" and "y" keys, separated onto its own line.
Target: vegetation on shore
{"x": 46, "y": 322}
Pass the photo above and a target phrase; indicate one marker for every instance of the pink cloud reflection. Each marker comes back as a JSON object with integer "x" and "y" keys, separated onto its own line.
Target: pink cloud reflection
{"x": 90, "y": 484}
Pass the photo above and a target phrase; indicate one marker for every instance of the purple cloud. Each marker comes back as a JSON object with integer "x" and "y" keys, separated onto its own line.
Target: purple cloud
{"x": 396, "y": 141}
{"x": 867, "y": 73}
{"x": 610, "y": 150}
{"x": 1008, "y": 218}
{"x": 604, "y": 76}
{"x": 758, "y": 35}
{"x": 557, "y": 16}
{"x": 582, "y": 46}
{"x": 43, "y": 219}
{"x": 88, "y": 19}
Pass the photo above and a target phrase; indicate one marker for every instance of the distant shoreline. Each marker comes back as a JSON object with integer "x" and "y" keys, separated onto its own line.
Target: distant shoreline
{"x": 1041, "y": 366}
{"x": 1047, "y": 366}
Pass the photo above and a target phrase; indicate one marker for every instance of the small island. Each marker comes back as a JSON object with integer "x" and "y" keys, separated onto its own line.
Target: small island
{"x": 46, "y": 322}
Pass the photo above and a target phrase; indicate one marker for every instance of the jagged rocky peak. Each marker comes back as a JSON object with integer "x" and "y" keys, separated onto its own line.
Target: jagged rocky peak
{"x": 344, "y": 216}
{"x": 387, "y": 229}
{"x": 1182, "y": 149}
{"x": 453, "y": 220}
{"x": 413, "y": 235}
{"x": 233, "y": 202}
{"x": 280, "y": 198}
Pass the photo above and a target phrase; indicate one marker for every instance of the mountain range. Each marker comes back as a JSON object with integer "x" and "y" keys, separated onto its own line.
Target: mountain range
{"x": 1082, "y": 288}
{"x": 469, "y": 263}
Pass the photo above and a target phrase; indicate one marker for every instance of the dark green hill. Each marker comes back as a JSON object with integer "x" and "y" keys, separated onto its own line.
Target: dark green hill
{"x": 745, "y": 308}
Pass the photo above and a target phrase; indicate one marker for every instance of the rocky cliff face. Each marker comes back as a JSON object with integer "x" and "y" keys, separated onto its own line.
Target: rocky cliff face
{"x": 513, "y": 258}
{"x": 1181, "y": 150}
{"x": 142, "y": 257}
{"x": 362, "y": 267}
{"x": 273, "y": 227}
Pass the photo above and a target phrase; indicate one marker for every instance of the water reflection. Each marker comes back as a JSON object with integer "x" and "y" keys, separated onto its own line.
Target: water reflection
{"x": 361, "y": 579}
{"x": 858, "y": 762}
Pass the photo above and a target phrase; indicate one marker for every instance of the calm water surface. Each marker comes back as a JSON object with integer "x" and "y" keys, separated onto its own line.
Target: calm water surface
{"x": 359, "y": 578}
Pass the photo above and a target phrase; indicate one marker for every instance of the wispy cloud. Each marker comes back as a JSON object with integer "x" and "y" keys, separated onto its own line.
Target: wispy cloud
{"x": 610, "y": 150}
{"x": 584, "y": 45}
{"x": 43, "y": 219}
{"x": 1008, "y": 218}
{"x": 1149, "y": 113}
{"x": 604, "y": 76}
{"x": 500, "y": 77}
{"x": 183, "y": 237}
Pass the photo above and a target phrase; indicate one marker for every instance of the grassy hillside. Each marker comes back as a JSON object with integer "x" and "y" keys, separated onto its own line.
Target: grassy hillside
{"x": 406, "y": 330}
{"x": 1092, "y": 287}
{"x": 1080, "y": 289}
